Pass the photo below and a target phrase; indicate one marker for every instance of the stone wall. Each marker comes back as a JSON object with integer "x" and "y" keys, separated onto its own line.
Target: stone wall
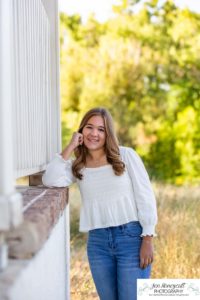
{"x": 38, "y": 266}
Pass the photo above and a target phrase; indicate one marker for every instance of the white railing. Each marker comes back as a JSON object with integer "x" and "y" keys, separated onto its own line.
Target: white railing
{"x": 29, "y": 99}
{"x": 35, "y": 117}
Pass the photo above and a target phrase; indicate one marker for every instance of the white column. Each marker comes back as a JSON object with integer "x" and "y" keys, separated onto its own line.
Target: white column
{"x": 6, "y": 163}
{"x": 10, "y": 201}
{"x": 51, "y": 7}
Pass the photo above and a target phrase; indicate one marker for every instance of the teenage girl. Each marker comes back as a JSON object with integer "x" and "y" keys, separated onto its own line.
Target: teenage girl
{"x": 118, "y": 205}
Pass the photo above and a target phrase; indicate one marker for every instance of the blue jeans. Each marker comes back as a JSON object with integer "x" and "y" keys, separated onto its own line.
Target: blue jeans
{"x": 113, "y": 255}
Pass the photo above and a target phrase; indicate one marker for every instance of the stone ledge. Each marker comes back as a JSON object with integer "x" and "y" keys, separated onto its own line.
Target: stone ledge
{"x": 42, "y": 209}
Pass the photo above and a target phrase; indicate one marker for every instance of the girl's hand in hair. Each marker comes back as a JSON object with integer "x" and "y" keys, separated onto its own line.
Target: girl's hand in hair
{"x": 76, "y": 140}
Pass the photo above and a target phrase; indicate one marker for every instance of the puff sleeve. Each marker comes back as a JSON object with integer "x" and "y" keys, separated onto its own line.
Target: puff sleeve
{"x": 143, "y": 192}
{"x": 58, "y": 172}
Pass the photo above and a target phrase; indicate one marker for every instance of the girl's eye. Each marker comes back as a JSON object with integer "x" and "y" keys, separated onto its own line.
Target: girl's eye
{"x": 101, "y": 129}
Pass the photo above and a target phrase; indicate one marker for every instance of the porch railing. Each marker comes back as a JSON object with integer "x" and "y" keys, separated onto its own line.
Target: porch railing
{"x": 29, "y": 97}
{"x": 35, "y": 108}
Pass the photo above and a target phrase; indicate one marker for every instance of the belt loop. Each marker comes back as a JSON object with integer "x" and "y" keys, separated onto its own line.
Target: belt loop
{"x": 121, "y": 227}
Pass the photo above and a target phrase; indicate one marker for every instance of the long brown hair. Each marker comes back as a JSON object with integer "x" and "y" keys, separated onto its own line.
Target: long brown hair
{"x": 111, "y": 144}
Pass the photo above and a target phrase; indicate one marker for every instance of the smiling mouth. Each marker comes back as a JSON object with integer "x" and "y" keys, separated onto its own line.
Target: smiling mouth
{"x": 92, "y": 141}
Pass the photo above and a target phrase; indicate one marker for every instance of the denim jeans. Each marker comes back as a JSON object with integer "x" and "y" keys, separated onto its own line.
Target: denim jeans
{"x": 113, "y": 255}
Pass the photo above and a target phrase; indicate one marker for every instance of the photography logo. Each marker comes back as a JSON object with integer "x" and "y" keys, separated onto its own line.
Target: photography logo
{"x": 168, "y": 289}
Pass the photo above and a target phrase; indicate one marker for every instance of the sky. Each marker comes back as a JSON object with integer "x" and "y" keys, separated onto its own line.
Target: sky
{"x": 103, "y": 8}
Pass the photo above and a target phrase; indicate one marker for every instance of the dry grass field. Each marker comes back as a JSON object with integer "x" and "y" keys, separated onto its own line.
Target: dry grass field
{"x": 177, "y": 245}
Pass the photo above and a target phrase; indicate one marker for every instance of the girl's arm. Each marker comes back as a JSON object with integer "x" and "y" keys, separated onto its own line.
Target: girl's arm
{"x": 146, "y": 204}
{"x": 59, "y": 170}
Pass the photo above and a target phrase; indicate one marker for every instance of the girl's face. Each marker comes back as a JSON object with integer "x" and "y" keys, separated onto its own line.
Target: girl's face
{"x": 94, "y": 135}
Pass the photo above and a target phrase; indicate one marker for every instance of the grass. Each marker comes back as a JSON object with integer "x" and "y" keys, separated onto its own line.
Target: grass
{"x": 176, "y": 246}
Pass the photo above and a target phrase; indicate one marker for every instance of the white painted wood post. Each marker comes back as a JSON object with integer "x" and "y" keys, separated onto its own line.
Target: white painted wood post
{"x": 10, "y": 201}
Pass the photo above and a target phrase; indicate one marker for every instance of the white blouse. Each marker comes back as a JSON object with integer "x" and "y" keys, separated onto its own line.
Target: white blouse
{"x": 108, "y": 199}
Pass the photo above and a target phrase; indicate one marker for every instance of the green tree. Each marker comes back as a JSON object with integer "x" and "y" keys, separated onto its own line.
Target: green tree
{"x": 144, "y": 67}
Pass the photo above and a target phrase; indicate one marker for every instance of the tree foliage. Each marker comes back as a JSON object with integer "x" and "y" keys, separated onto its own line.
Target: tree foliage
{"x": 145, "y": 68}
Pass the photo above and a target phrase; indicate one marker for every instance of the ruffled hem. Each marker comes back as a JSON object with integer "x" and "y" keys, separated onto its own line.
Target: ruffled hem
{"x": 148, "y": 230}
{"x": 104, "y": 214}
